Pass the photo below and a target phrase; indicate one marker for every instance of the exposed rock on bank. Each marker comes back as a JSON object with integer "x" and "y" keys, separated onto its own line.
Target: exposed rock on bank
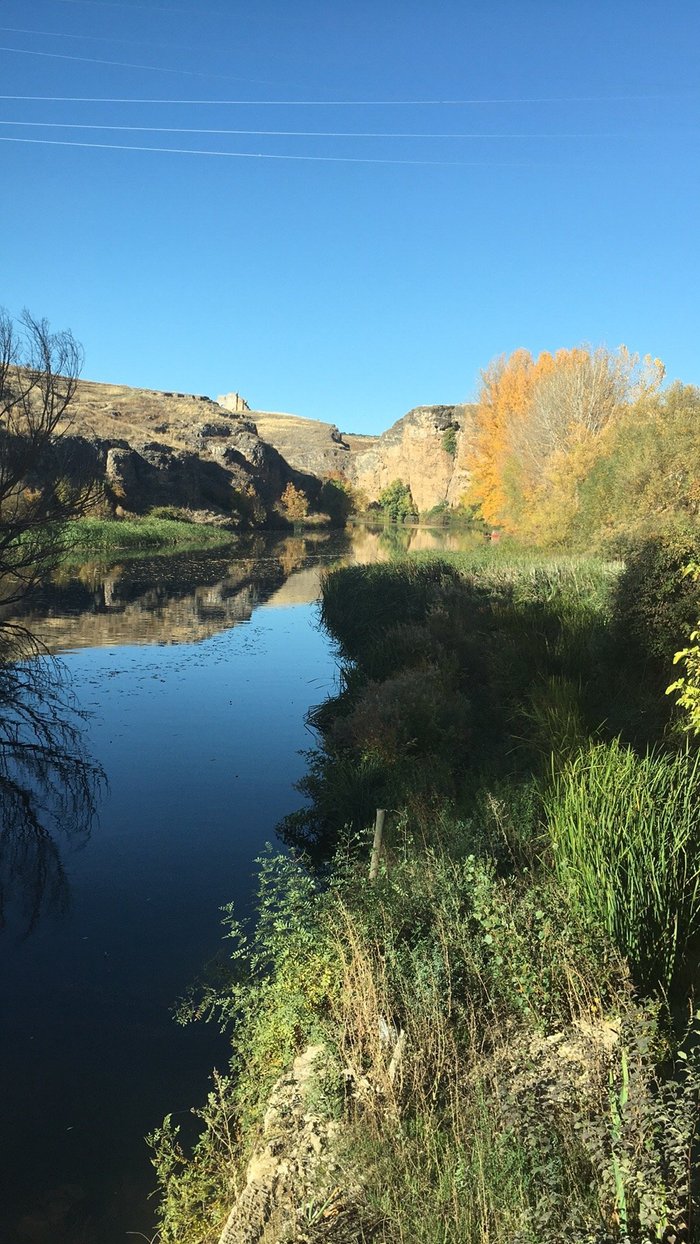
{"x": 293, "y": 1176}
{"x": 422, "y": 449}
{"x": 162, "y": 448}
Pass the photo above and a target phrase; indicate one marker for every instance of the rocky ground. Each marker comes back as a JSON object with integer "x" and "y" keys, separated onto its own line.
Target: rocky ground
{"x": 296, "y": 1189}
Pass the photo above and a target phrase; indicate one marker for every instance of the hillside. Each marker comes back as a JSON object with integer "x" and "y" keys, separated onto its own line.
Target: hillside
{"x": 162, "y": 448}
{"x": 220, "y": 459}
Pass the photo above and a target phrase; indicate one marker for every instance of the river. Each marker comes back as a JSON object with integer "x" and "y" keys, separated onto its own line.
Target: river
{"x": 196, "y": 673}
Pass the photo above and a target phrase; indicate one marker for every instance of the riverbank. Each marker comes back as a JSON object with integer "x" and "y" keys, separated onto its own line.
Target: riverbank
{"x": 106, "y": 538}
{"x": 504, "y": 1007}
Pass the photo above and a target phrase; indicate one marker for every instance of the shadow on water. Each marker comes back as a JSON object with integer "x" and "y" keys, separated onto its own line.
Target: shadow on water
{"x": 49, "y": 786}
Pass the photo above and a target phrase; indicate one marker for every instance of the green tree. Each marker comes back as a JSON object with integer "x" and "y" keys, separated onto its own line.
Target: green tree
{"x": 397, "y": 502}
{"x": 337, "y": 500}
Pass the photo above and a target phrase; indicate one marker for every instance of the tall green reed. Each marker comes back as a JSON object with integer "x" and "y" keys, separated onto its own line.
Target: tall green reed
{"x": 625, "y": 836}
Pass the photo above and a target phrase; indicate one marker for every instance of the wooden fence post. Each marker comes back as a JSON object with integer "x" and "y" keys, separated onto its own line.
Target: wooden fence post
{"x": 377, "y": 844}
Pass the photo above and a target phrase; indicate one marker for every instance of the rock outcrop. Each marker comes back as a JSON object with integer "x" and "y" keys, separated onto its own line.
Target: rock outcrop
{"x": 422, "y": 449}
{"x": 161, "y": 448}
{"x": 293, "y": 1175}
{"x": 151, "y": 447}
{"x": 310, "y": 445}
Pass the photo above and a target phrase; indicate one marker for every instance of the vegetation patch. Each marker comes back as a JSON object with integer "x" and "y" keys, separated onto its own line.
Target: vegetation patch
{"x": 112, "y": 537}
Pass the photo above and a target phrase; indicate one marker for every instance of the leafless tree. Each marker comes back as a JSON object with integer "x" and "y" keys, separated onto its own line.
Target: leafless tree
{"x": 41, "y": 483}
{"x": 47, "y": 784}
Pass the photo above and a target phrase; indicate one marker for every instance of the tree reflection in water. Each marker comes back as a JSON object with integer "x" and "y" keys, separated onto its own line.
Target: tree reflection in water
{"x": 48, "y": 785}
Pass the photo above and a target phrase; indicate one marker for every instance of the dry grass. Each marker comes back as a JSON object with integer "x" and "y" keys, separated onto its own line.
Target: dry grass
{"x": 117, "y": 412}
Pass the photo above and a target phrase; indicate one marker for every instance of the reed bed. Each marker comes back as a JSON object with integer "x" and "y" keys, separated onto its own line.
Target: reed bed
{"x": 625, "y": 837}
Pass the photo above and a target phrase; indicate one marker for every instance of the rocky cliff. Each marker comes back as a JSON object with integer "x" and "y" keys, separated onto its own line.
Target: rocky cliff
{"x": 221, "y": 459}
{"x": 422, "y": 449}
{"x": 161, "y": 448}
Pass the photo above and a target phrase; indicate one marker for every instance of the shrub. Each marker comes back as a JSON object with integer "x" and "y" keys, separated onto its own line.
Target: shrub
{"x": 173, "y": 512}
{"x": 416, "y": 713}
{"x": 337, "y": 499}
{"x": 687, "y": 686}
{"x": 449, "y": 441}
{"x": 295, "y": 502}
{"x": 361, "y": 603}
{"x": 654, "y": 602}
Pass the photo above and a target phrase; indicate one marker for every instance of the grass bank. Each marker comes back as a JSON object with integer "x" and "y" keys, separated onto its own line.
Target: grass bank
{"x": 504, "y": 1008}
{"x": 109, "y": 538}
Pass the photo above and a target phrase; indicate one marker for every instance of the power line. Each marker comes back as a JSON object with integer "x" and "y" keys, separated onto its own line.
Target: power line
{"x": 120, "y": 64}
{"x": 59, "y": 34}
{"x": 336, "y": 103}
{"x": 263, "y": 155}
{"x": 173, "y": 129}
{"x": 134, "y": 8}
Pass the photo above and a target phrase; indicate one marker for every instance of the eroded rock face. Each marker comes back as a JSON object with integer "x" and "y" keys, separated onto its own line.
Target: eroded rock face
{"x": 157, "y": 448}
{"x": 422, "y": 449}
{"x": 308, "y": 445}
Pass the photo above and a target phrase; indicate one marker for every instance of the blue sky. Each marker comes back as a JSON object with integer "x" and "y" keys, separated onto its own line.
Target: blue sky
{"x": 385, "y": 272}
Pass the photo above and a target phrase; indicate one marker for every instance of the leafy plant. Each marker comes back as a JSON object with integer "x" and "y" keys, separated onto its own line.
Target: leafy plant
{"x": 687, "y": 687}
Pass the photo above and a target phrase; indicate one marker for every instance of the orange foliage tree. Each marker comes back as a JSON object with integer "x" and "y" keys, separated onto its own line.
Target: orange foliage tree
{"x": 538, "y": 425}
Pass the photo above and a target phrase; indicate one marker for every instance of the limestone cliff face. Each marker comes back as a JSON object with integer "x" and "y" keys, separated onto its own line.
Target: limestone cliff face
{"x": 423, "y": 450}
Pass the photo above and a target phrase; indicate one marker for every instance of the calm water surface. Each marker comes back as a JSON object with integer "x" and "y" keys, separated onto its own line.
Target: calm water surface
{"x": 197, "y": 672}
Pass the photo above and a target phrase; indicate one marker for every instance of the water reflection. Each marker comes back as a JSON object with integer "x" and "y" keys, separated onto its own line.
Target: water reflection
{"x": 48, "y": 784}
{"x": 48, "y": 789}
{"x": 193, "y": 676}
{"x": 178, "y": 599}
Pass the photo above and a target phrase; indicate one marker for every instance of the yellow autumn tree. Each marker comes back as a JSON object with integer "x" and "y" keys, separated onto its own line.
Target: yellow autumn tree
{"x": 295, "y": 502}
{"x": 504, "y": 399}
{"x": 538, "y": 427}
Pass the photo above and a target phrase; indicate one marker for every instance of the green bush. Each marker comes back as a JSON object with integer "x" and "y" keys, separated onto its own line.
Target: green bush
{"x": 655, "y": 604}
{"x": 415, "y": 713}
{"x": 173, "y": 512}
{"x": 397, "y": 503}
{"x": 449, "y": 441}
{"x": 361, "y": 603}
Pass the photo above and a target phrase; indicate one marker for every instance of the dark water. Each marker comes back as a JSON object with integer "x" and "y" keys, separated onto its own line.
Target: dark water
{"x": 197, "y": 672}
